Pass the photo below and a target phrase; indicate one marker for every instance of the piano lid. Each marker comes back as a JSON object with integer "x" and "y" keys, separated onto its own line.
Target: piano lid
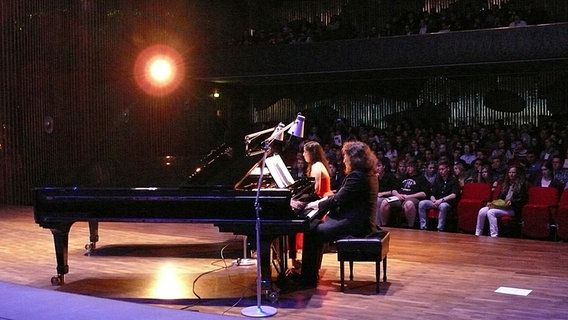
{"x": 221, "y": 166}
{"x": 275, "y": 175}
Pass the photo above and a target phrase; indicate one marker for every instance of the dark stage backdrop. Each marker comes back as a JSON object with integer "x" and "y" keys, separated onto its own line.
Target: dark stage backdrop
{"x": 71, "y": 112}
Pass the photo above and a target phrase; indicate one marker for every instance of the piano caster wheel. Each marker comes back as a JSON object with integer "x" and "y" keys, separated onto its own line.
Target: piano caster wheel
{"x": 57, "y": 280}
{"x": 272, "y": 295}
{"x": 90, "y": 247}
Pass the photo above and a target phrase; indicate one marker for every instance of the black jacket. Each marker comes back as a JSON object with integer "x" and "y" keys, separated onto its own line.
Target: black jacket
{"x": 352, "y": 208}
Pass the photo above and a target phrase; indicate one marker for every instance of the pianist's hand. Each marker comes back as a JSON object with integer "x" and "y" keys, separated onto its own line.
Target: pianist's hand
{"x": 312, "y": 205}
{"x": 297, "y": 205}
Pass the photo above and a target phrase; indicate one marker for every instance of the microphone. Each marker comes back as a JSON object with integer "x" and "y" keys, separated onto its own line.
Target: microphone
{"x": 297, "y": 128}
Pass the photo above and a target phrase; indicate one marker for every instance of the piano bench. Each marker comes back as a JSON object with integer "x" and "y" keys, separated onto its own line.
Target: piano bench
{"x": 371, "y": 248}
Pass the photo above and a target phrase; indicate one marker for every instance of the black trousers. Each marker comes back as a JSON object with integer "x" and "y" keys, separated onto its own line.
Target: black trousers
{"x": 320, "y": 233}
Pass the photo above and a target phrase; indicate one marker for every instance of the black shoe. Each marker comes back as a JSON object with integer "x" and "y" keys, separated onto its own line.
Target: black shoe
{"x": 298, "y": 281}
{"x": 309, "y": 282}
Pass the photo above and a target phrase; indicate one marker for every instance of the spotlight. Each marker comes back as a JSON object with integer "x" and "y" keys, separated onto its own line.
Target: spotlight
{"x": 159, "y": 70}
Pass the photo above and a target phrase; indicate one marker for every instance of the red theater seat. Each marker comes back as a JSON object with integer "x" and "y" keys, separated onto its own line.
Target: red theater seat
{"x": 474, "y": 196}
{"x": 561, "y": 217}
{"x": 537, "y": 213}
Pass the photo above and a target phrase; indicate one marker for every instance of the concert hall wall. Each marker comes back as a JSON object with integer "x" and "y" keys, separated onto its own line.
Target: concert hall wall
{"x": 71, "y": 112}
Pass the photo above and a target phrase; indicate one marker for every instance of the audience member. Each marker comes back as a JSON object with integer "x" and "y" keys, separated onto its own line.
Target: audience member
{"x": 431, "y": 171}
{"x": 410, "y": 189}
{"x": 519, "y": 152}
{"x": 337, "y": 175}
{"x": 468, "y": 157}
{"x": 548, "y": 151}
{"x": 461, "y": 174}
{"x": 401, "y": 169}
{"x": 546, "y": 178}
{"x": 513, "y": 195}
{"x": 299, "y": 169}
{"x": 387, "y": 182}
{"x": 497, "y": 169}
{"x": 565, "y": 165}
{"x": 445, "y": 192}
{"x": 518, "y": 22}
{"x": 475, "y": 170}
{"x": 559, "y": 172}
{"x": 533, "y": 165}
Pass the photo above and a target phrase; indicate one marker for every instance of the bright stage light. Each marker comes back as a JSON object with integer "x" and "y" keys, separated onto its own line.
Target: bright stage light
{"x": 159, "y": 70}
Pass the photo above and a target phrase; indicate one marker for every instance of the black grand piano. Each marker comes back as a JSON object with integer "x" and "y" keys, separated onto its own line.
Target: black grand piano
{"x": 231, "y": 209}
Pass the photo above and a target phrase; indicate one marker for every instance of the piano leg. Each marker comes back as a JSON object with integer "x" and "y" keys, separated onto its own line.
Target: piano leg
{"x": 271, "y": 293}
{"x": 61, "y": 241}
{"x": 281, "y": 261}
{"x": 93, "y": 236}
{"x": 265, "y": 260}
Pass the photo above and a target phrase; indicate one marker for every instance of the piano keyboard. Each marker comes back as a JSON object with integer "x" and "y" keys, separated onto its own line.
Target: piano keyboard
{"x": 311, "y": 214}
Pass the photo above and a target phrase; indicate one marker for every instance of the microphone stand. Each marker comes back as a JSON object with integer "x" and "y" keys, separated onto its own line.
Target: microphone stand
{"x": 248, "y": 139}
{"x": 259, "y": 311}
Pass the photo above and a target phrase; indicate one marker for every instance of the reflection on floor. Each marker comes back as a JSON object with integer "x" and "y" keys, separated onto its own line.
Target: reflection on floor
{"x": 187, "y": 270}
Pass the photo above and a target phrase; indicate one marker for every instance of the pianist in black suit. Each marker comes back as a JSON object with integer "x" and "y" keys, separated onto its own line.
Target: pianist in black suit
{"x": 351, "y": 209}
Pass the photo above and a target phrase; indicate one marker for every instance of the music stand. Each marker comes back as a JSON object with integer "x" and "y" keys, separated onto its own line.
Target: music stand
{"x": 296, "y": 129}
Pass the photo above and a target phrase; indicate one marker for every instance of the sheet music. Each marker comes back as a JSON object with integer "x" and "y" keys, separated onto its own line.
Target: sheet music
{"x": 279, "y": 172}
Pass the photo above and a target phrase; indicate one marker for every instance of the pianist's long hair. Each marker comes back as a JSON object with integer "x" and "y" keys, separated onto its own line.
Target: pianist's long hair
{"x": 316, "y": 154}
{"x": 358, "y": 155}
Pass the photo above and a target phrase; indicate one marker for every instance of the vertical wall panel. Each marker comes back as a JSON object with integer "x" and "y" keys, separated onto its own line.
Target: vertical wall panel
{"x": 462, "y": 97}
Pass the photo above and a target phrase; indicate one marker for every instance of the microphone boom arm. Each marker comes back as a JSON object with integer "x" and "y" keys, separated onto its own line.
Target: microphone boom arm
{"x": 276, "y": 131}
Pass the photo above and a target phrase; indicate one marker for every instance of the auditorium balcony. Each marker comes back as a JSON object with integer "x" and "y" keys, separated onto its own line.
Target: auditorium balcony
{"x": 524, "y": 50}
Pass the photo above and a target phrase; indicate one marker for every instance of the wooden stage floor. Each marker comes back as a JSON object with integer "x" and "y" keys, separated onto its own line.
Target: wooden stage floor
{"x": 187, "y": 267}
